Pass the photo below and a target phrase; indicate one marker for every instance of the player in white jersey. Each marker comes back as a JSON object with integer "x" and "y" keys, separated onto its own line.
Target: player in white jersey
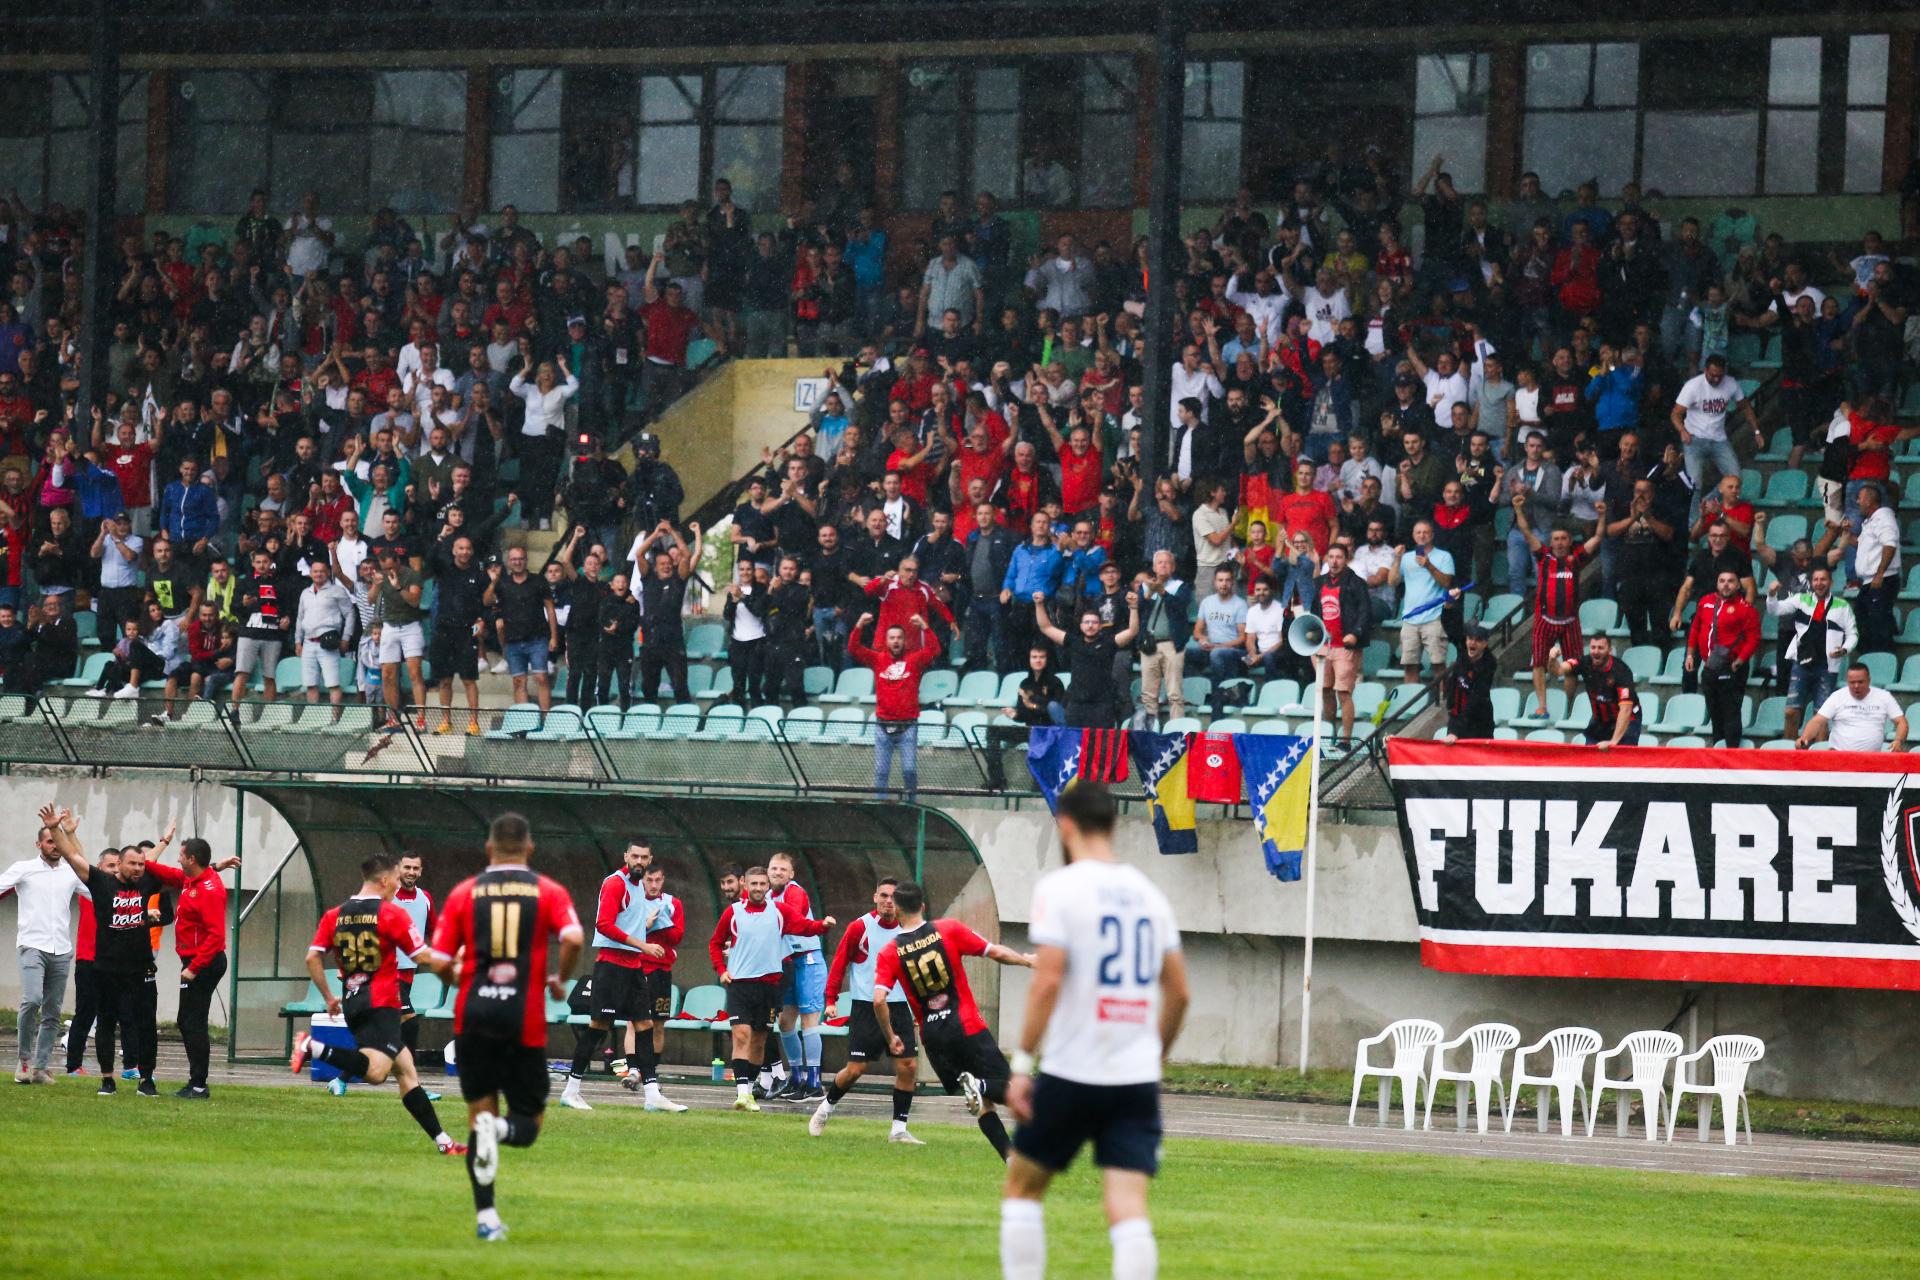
{"x": 1107, "y": 998}
{"x": 854, "y": 964}
{"x": 418, "y": 905}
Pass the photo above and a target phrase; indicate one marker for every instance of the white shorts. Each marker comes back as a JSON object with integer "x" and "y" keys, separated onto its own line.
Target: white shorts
{"x": 252, "y": 655}
{"x": 318, "y": 666}
{"x": 401, "y": 640}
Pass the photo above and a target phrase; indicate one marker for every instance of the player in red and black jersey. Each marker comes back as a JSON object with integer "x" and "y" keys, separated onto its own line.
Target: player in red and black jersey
{"x": 1556, "y": 591}
{"x": 1615, "y": 706}
{"x": 924, "y": 958}
{"x": 368, "y": 932}
{"x": 498, "y": 925}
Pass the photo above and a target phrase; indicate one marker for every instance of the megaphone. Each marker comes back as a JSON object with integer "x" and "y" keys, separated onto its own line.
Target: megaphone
{"x": 1307, "y": 635}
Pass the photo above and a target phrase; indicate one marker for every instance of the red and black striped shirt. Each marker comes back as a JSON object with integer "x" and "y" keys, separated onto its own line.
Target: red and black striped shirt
{"x": 1556, "y": 586}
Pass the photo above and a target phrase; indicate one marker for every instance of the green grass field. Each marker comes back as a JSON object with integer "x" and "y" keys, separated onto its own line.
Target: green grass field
{"x": 279, "y": 1182}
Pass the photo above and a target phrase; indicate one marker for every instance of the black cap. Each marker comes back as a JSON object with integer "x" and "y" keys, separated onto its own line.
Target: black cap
{"x": 646, "y": 442}
{"x": 1477, "y": 632}
{"x": 579, "y": 320}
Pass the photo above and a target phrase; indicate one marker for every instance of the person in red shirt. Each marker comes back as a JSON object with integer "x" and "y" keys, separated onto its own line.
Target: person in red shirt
{"x": 1029, "y": 486}
{"x": 904, "y": 599}
{"x": 896, "y": 687}
{"x": 200, "y": 940}
{"x": 670, "y": 328}
{"x": 978, "y": 458}
{"x": 1307, "y": 510}
{"x": 1722, "y": 641}
{"x": 915, "y": 384}
{"x": 499, "y": 922}
{"x": 1081, "y": 468}
{"x": 912, "y": 466}
{"x": 1725, "y": 503}
{"x": 924, "y": 960}
{"x": 130, "y": 462}
{"x": 1874, "y": 436}
{"x": 1556, "y": 592}
{"x": 620, "y": 921}
{"x": 748, "y": 949}
{"x": 366, "y": 932}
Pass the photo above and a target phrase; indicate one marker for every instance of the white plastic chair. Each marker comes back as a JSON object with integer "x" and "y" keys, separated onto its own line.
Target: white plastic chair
{"x": 1412, "y": 1039}
{"x": 1731, "y": 1055}
{"x": 1490, "y": 1041}
{"x": 1648, "y": 1053}
{"x": 1571, "y": 1047}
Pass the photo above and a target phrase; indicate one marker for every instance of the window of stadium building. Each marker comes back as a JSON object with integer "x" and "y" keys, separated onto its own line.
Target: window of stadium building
{"x": 600, "y": 139}
{"x": 43, "y": 123}
{"x": 359, "y": 139}
{"x": 1450, "y": 115}
{"x": 1709, "y": 117}
{"x": 1039, "y": 133}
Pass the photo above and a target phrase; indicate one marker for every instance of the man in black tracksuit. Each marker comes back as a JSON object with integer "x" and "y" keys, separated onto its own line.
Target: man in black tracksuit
{"x": 619, "y": 621}
{"x": 1469, "y": 690}
{"x": 789, "y": 622}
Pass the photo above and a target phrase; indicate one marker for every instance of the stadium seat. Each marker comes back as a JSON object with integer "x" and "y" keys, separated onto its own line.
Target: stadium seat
{"x": 1910, "y": 590}
{"x": 1367, "y": 695}
{"x": 1683, "y": 713}
{"x": 1689, "y": 740}
{"x": 1197, "y": 690}
{"x": 1506, "y": 705}
{"x": 1524, "y": 717}
{"x": 1228, "y": 724}
{"x": 1674, "y": 669}
{"x": 977, "y": 689}
{"x": 971, "y": 725}
{"x": 286, "y": 673}
{"x": 563, "y": 722}
{"x": 1882, "y": 667}
{"x": 719, "y": 686}
{"x": 1010, "y": 689}
{"x": 699, "y": 1011}
{"x": 1181, "y": 724}
{"x": 1909, "y": 681}
{"x": 1503, "y": 734}
{"x": 519, "y": 720}
{"x": 722, "y": 724}
{"x": 1501, "y": 609}
{"x": 1276, "y": 727}
{"x": 1378, "y": 656}
{"x": 1546, "y": 735}
{"x": 706, "y": 641}
{"x": 937, "y": 685}
{"x": 845, "y": 724}
{"x": 1785, "y": 489}
{"x": 1909, "y": 632}
{"x": 803, "y": 724}
{"x": 604, "y": 721}
{"x": 770, "y": 716}
{"x": 91, "y": 670}
{"x": 1785, "y": 530}
{"x": 1769, "y": 720}
{"x": 816, "y": 681}
{"x": 1600, "y": 618}
{"x": 1579, "y": 716}
{"x": 1777, "y": 446}
{"x": 854, "y": 685}
{"x": 1643, "y": 660}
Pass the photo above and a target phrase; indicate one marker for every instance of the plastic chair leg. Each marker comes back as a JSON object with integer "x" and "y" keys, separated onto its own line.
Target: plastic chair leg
{"x": 1386, "y": 1099}
{"x": 1410, "y": 1100}
{"x": 1730, "y": 1117}
{"x": 1566, "y": 1110}
{"x": 1543, "y": 1100}
{"x": 1649, "y": 1112}
{"x": 1706, "y": 1115}
{"x": 1352, "y": 1107}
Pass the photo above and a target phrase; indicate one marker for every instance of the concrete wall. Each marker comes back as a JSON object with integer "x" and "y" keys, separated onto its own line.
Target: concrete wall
{"x": 715, "y": 433}
{"x": 127, "y": 809}
{"x": 1242, "y": 929}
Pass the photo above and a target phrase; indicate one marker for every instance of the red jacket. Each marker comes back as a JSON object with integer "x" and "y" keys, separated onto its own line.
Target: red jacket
{"x": 1732, "y": 624}
{"x": 792, "y": 920}
{"x": 200, "y": 921}
{"x": 896, "y": 681}
{"x": 898, "y": 604}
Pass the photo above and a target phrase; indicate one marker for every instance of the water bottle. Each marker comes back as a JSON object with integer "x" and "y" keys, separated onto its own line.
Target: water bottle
{"x": 719, "y": 1071}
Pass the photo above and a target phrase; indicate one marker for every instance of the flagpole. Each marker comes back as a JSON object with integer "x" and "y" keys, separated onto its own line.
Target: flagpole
{"x": 1313, "y": 842}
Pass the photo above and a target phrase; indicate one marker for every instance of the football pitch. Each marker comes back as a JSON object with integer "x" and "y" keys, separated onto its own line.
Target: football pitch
{"x": 293, "y": 1182}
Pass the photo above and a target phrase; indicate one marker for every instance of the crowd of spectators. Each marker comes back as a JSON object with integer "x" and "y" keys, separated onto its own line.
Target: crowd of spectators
{"x": 302, "y": 436}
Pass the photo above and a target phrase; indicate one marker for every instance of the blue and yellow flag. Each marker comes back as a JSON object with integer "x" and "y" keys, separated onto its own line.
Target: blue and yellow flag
{"x": 1161, "y": 761}
{"x": 1277, "y": 769}
{"x": 1053, "y": 757}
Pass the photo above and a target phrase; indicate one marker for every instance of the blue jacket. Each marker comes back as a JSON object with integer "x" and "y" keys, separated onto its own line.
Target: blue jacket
{"x": 189, "y": 512}
{"x": 1616, "y": 399}
{"x": 1081, "y": 568}
{"x": 99, "y": 492}
{"x": 869, "y": 260}
{"x": 1034, "y": 569}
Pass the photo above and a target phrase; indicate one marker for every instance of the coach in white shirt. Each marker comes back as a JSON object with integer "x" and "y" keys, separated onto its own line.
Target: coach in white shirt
{"x": 1855, "y": 718}
{"x": 46, "y": 887}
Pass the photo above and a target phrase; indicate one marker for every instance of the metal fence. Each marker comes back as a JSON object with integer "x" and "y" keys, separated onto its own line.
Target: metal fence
{"x": 600, "y": 747}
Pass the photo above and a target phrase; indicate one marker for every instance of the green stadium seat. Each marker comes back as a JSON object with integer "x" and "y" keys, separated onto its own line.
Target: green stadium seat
{"x": 1506, "y": 705}
{"x": 1784, "y": 530}
{"x": 1279, "y": 728}
{"x": 1909, "y": 628}
{"x": 518, "y": 721}
{"x": 706, "y": 641}
{"x": 803, "y": 724}
{"x": 681, "y": 720}
{"x": 1643, "y": 660}
{"x": 1882, "y": 667}
{"x": 1683, "y": 713}
{"x": 700, "y": 678}
{"x": 1197, "y": 689}
{"x": 815, "y": 681}
{"x": 1181, "y": 724}
{"x": 1752, "y": 483}
{"x": 1546, "y": 735}
{"x": 1672, "y": 671}
{"x": 1687, "y": 740}
{"x": 91, "y": 669}
{"x": 845, "y": 724}
{"x": 640, "y": 719}
{"x": 719, "y": 685}
{"x": 1769, "y": 719}
{"x": 1010, "y": 689}
{"x": 971, "y": 725}
{"x": 86, "y": 625}
{"x": 976, "y": 689}
{"x": 428, "y": 991}
{"x": 1367, "y": 696}
{"x": 1777, "y": 446}
{"x": 1501, "y": 609}
{"x": 698, "y": 1011}
{"x": 854, "y": 685}
{"x": 1228, "y": 724}
{"x": 1378, "y": 656}
{"x": 1275, "y": 694}
{"x": 1556, "y": 708}
{"x": 1909, "y": 681}
{"x": 1600, "y": 617}
{"x": 1785, "y": 489}
{"x": 603, "y": 721}
{"x": 1579, "y": 716}
{"x": 1911, "y": 589}
{"x": 722, "y": 724}
{"x": 562, "y": 723}
{"x": 937, "y": 686}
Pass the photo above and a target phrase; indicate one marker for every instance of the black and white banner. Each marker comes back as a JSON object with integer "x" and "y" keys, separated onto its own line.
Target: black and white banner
{"x": 1690, "y": 865}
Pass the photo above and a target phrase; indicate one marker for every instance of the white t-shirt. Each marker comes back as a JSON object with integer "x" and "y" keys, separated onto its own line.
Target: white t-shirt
{"x": 1369, "y": 560}
{"x": 1201, "y": 385}
{"x": 1207, "y": 557}
{"x": 1859, "y": 724}
{"x": 1877, "y": 532}
{"x": 1793, "y": 296}
{"x": 1443, "y": 392}
{"x": 308, "y": 252}
{"x": 1116, "y": 928}
{"x": 1325, "y": 311}
{"x": 1707, "y": 405}
{"x": 1526, "y": 407}
{"x": 1267, "y": 624}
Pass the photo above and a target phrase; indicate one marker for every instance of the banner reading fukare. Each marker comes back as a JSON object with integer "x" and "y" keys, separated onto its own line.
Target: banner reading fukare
{"x": 1688, "y": 865}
